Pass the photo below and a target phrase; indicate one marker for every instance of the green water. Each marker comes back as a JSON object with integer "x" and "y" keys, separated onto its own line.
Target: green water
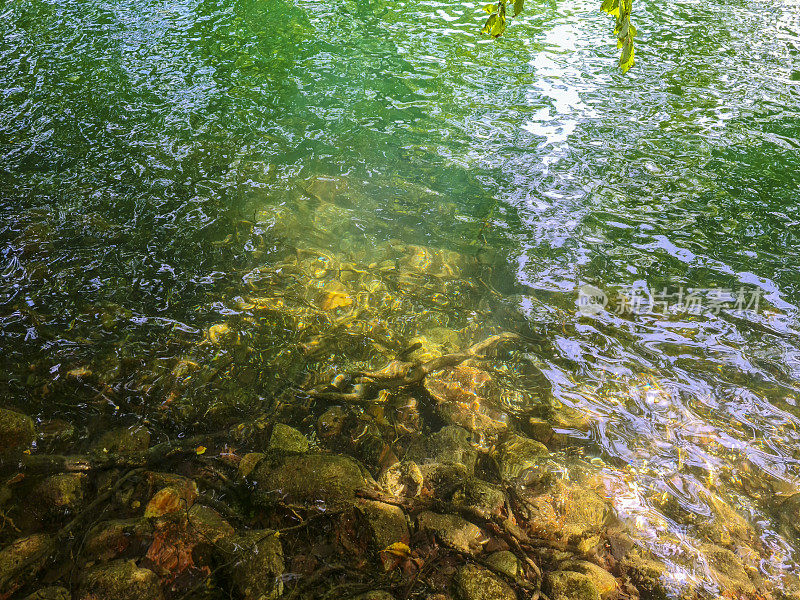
{"x": 161, "y": 164}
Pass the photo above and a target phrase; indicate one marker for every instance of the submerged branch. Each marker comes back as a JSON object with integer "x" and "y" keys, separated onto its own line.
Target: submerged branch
{"x": 401, "y": 373}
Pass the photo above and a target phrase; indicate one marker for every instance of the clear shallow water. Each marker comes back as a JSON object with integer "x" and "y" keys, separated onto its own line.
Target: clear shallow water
{"x": 155, "y": 155}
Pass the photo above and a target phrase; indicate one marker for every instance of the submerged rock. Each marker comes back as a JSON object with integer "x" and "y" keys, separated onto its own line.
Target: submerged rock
{"x": 482, "y": 495}
{"x": 520, "y": 458}
{"x": 453, "y": 531}
{"x": 58, "y": 495}
{"x": 404, "y": 478}
{"x": 472, "y": 582}
{"x": 17, "y": 431}
{"x": 258, "y": 564}
{"x": 443, "y": 479}
{"x": 120, "y": 580}
{"x": 463, "y": 399}
{"x": 249, "y": 462}
{"x": 50, "y": 593}
{"x": 110, "y": 539}
{"x": 574, "y": 513}
{"x": 124, "y": 440}
{"x": 208, "y": 523}
{"x": 311, "y": 478}
{"x": 727, "y": 526}
{"x": 505, "y": 561}
{"x": 452, "y": 444}
{"x": 374, "y": 595}
{"x": 647, "y": 575}
{"x": 570, "y": 585}
{"x": 15, "y": 567}
{"x": 221, "y": 334}
{"x": 287, "y": 439}
{"x": 171, "y": 499}
{"x": 436, "y": 342}
{"x": 387, "y": 523}
{"x": 331, "y": 422}
{"x": 605, "y": 583}
{"x": 727, "y": 571}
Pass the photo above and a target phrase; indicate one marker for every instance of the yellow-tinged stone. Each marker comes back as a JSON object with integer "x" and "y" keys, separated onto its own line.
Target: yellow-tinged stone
{"x": 221, "y": 333}
{"x": 334, "y": 296}
{"x": 169, "y": 500}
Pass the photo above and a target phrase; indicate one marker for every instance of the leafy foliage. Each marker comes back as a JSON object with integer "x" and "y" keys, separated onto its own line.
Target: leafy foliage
{"x": 621, "y": 9}
{"x": 496, "y": 23}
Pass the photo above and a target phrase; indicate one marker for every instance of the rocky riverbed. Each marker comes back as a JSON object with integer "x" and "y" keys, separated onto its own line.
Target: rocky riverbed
{"x": 366, "y": 423}
{"x": 415, "y": 479}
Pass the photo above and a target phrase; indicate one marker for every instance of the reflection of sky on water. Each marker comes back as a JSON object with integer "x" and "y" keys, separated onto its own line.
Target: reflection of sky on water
{"x": 599, "y": 141}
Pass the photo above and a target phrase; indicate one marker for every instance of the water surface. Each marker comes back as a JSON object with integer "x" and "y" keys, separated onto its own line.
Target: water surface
{"x": 159, "y": 161}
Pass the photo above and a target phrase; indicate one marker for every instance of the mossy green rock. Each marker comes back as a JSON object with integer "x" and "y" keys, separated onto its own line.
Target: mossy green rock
{"x": 479, "y": 494}
{"x": 124, "y": 440}
{"x": 120, "y": 580}
{"x": 727, "y": 571}
{"x": 472, "y": 582}
{"x": 15, "y": 570}
{"x": 570, "y": 585}
{"x": 287, "y": 439}
{"x": 604, "y": 581}
{"x": 505, "y": 561}
{"x": 17, "y": 431}
{"x": 517, "y": 456}
{"x": 647, "y": 575}
{"x": 311, "y": 478}
{"x": 58, "y": 494}
{"x": 50, "y": 593}
{"x": 453, "y": 444}
{"x": 452, "y": 531}
{"x": 258, "y": 565}
{"x": 386, "y": 522}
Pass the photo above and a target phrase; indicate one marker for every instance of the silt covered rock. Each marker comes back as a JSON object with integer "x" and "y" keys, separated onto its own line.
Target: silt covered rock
{"x": 452, "y": 444}
{"x": 465, "y": 397}
{"x": 570, "y": 585}
{"x": 605, "y": 583}
{"x": 16, "y": 568}
{"x": 519, "y": 458}
{"x": 58, "y": 495}
{"x": 386, "y": 522}
{"x": 287, "y": 439}
{"x": 472, "y": 582}
{"x": 120, "y": 580}
{"x": 124, "y": 440}
{"x": 110, "y": 539}
{"x": 258, "y": 565}
{"x": 50, "y": 593}
{"x": 311, "y": 478}
{"x": 479, "y": 494}
{"x": 17, "y": 431}
{"x": 453, "y": 531}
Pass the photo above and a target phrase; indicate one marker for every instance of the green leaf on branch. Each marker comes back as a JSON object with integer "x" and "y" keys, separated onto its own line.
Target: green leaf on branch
{"x": 626, "y": 58}
{"x": 518, "y": 6}
{"x": 611, "y": 7}
{"x": 623, "y": 30}
{"x": 496, "y": 23}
